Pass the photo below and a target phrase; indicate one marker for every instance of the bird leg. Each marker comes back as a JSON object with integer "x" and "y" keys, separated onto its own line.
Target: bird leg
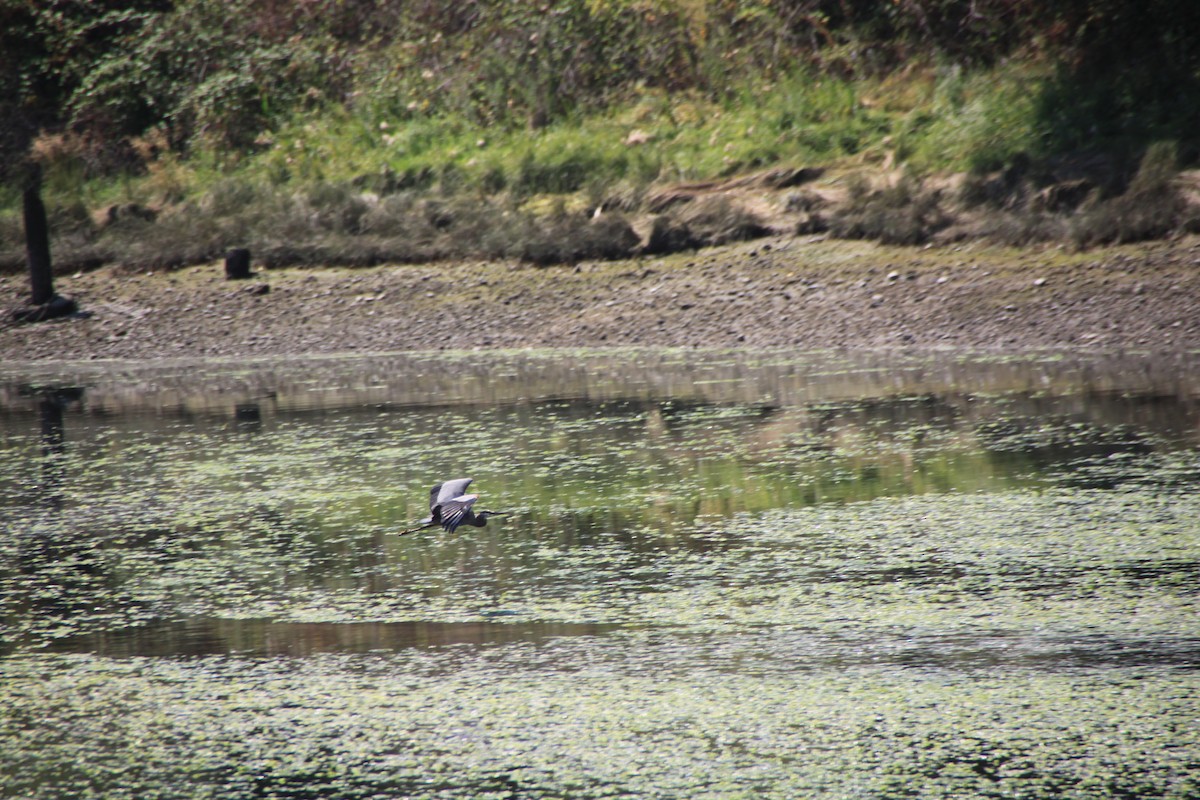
{"x": 433, "y": 524}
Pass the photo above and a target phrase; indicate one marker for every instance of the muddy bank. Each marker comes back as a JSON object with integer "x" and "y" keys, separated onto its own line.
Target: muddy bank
{"x": 785, "y": 291}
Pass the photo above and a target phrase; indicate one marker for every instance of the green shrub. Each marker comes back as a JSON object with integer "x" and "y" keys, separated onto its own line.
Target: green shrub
{"x": 211, "y": 71}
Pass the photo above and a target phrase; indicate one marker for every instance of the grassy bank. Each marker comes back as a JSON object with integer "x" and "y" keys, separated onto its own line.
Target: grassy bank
{"x": 499, "y": 131}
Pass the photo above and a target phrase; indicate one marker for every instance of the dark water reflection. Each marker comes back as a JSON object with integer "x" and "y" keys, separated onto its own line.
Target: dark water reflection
{"x": 265, "y": 638}
{"x": 777, "y": 378}
{"x": 149, "y": 510}
{"x": 785, "y": 652}
{"x": 574, "y": 646}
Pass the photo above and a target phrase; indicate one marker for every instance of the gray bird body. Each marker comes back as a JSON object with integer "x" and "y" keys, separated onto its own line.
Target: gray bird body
{"x": 450, "y": 507}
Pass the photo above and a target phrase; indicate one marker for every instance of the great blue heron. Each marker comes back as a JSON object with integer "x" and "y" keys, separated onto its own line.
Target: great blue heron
{"x": 450, "y": 506}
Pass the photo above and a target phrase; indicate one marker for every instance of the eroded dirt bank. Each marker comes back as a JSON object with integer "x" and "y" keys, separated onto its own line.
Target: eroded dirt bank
{"x": 797, "y": 292}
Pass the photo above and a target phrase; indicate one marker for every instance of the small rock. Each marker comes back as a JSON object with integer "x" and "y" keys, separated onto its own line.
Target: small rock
{"x": 1039, "y": 282}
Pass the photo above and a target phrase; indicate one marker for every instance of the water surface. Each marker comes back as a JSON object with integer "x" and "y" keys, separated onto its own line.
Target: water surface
{"x": 725, "y": 574}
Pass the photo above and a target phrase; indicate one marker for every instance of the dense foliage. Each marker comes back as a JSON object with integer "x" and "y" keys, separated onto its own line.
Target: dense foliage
{"x": 223, "y": 72}
{"x": 245, "y": 109}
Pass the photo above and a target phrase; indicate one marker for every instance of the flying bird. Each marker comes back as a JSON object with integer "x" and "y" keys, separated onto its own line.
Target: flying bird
{"x": 450, "y": 506}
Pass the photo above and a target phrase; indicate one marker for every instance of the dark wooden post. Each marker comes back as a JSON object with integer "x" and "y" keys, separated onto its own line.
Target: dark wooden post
{"x": 237, "y": 264}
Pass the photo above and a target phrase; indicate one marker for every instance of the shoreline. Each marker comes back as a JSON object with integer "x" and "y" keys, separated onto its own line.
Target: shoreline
{"x": 780, "y": 292}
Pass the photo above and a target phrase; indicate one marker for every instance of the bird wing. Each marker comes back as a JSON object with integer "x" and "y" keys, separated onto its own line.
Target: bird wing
{"x": 447, "y": 491}
{"x": 455, "y": 510}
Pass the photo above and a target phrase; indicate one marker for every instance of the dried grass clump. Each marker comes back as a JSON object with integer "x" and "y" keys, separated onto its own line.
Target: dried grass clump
{"x": 1024, "y": 227}
{"x": 1084, "y": 201}
{"x": 569, "y": 238}
{"x": 900, "y": 213}
{"x": 705, "y": 222}
{"x": 346, "y": 251}
{"x": 1150, "y": 208}
{"x": 717, "y": 219}
{"x": 670, "y": 235}
{"x": 169, "y": 242}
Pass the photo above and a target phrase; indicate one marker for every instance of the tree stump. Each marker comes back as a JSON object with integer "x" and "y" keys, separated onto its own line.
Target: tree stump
{"x": 237, "y": 264}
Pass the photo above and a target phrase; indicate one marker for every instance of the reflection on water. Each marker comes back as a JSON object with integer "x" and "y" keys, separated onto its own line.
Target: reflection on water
{"x": 560, "y": 646}
{"x": 51, "y": 401}
{"x": 208, "y": 508}
{"x": 1069, "y": 382}
{"x": 264, "y": 638}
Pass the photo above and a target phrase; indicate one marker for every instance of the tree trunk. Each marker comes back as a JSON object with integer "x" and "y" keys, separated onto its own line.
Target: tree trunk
{"x": 45, "y": 303}
{"x": 37, "y": 244}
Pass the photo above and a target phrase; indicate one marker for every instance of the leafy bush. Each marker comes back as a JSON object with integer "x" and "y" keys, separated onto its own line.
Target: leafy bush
{"x": 977, "y": 122}
{"x": 526, "y": 64}
{"x": 208, "y": 70}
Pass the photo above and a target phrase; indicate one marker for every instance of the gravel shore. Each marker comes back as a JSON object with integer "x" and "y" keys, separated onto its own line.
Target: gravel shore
{"x": 785, "y": 291}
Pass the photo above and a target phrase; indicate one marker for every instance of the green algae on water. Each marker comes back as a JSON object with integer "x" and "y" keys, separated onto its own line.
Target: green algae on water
{"x": 724, "y": 575}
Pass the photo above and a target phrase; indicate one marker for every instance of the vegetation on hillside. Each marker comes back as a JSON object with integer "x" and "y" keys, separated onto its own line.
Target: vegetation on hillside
{"x": 357, "y": 131}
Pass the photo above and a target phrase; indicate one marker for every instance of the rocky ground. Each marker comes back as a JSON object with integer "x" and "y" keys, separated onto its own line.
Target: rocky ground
{"x": 808, "y": 292}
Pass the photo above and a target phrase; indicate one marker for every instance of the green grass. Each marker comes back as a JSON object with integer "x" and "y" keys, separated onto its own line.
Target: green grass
{"x": 656, "y": 137}
{"x": 978, "y": 121}
{"x": 307, "y": 179}
{"x": 950, "y": 122}
{"x": 653, "y": 137}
